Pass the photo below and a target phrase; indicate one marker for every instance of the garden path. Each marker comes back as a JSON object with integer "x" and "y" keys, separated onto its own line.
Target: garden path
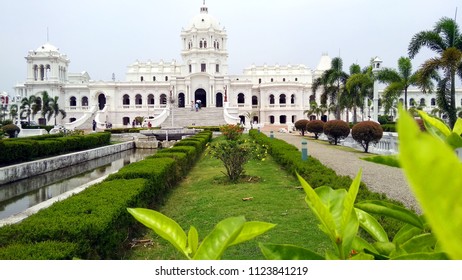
{"x": 378, "y": 178}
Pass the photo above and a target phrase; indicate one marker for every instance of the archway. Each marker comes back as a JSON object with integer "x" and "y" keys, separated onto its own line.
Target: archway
{"x": 181, "y": 100}
{"x": 101, "y": 101}
{"x": 201, "y": 95}
{"x": 219, "y": 99}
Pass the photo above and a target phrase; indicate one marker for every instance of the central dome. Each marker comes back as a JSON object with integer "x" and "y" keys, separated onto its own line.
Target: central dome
{"x": 204, "y": 21}
{"x": 47, "y": 47}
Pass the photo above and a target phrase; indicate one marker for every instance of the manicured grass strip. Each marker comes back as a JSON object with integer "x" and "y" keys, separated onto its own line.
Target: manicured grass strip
{"x": 204, "y": 198}
{"x": 391, "y": 160}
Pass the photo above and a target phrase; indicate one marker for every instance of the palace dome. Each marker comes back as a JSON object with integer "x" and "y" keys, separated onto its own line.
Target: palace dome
{"x": 204, "y": 21}
{"x": 47, "y": 47}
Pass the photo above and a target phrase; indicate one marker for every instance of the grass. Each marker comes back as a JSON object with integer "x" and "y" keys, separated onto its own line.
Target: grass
{"x": 204, "y": 198}
{"x": 389, "y": 160}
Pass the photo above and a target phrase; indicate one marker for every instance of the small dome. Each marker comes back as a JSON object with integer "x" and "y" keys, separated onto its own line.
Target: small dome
{"x": 204, "y": 21}
{"x": 47, "y": 47}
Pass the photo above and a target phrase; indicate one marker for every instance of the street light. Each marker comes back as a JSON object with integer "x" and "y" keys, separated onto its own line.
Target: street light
{"x": 376, "y": 67}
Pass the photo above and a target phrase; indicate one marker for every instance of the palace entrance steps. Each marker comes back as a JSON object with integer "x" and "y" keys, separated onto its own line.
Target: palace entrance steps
{"x": 184, "y": 117}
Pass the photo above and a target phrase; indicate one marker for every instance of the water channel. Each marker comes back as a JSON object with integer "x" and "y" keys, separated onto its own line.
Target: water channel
{"x": 18, "y": 196}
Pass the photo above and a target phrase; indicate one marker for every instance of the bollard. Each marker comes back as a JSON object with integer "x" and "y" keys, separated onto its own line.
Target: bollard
{"x": 258, "y": 130}
{"x": 271, "y": 134}
{"x": 304, "y": 150}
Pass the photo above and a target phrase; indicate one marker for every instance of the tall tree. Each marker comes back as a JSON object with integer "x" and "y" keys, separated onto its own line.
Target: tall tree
{"x": 446, "y": 40}
{"x": 45, "y": 108}
{"x": 398, "y": 81}
{"x": 54, "y": 109}
{"x": 29, "y": 106}
{"x": 332, "y": 82}
{"x": 359, "y": 85}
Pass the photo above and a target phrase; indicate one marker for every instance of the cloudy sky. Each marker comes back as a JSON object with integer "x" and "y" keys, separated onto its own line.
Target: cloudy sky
{"x": 104, "y": 36}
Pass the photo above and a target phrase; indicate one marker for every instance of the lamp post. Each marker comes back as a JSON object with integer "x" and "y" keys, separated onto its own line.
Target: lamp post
{"x": 376, "y": 66}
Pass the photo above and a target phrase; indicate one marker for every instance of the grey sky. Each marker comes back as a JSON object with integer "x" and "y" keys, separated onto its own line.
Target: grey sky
{"x": 104, "y": 36}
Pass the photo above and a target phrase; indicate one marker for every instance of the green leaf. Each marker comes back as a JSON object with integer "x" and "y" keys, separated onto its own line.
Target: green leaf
{"x": 405, "y": 233}
{"x": 420, "y": 243}
{"x": 360, "y": 244}
{"x": 251, "y": 230}
{"x": 319, "y": 209}
{"x": 287, "y": 252}
{"x": 435, "y": 175}
{"x": 390, "y": 210}
{"x": 193, "y": 241}
{"x": 350, "y": 223}
{"x": 422, "y": 256}
{"x": 165, "y": 227}
{"x": 384, "y": 248}
{"x": 435, "y": 126}
{"x": 457, "y": 129}
{"x": 371, "y": 225}
{"x": 454, "y": 140}
{"x": 224, "y": 233}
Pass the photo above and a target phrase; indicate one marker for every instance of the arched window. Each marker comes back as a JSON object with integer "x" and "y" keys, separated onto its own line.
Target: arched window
{"x": 126, "y": 120}
{"x": 35, "y": 72}
{"x": 42, "y": 72}
{"x": 271, "y": 119}
{"x": 254, "y": 100}
{"x": 47, "y": 71}
{"x": 271, "y": 99}
{"x": 84, "y": 101}
{"x": 240, "y": 98}
{"x": 401, "y": 100}
{"x": 422, "y": 102}
{"x": 282, "y": 99}
{"x": 150, "y": 99}
{"x": 73, "y": 101}
{"x": 412, "y": 102}
{"x": 292, "y": 99}
{"x": 282, "y": 119}
{"x": 126, "y": 99}
{"x": 163, "y": 99}
{"x": 433, "y": 101}
{"x": 138, "y": 99}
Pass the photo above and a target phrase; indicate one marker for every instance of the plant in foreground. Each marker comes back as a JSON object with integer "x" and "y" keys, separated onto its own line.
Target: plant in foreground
{"x": 228, "y": 232}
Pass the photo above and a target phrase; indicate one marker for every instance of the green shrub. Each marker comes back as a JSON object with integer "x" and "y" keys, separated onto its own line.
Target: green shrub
{"x": 335, "y": 130}
{"x": 47, "y": 250}
{"x": 316, "y": 127}
{"x": 11, "y": 129}
{"x": 182, "y": 164}
{"x": 366, "y": 133}
{"x": 389, "y": 127}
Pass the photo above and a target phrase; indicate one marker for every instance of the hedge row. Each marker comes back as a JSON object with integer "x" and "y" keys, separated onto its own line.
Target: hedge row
{"x": 94, "y": 223}
{"x": 27, "y": 149}
{"x": 317, "y": 175}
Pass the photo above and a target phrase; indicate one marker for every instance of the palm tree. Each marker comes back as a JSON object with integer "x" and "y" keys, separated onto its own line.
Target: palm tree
{"x": 446, "y": 40}
{"x": 333, "y": 83}
{"x": 28, "y": 106}
{"x": 249, "y": 116}
{"x": 54, "y": 109}
{"x": 398, "y": 81}
{"x": 314, "y": 110}
{"x": 13, "y": 111}
{"x": 45, "y": 108}
{"x": 359, "y": 85}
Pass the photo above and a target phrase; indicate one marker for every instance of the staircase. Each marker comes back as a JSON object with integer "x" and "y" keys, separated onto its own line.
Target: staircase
{"x": 183, "y": 117}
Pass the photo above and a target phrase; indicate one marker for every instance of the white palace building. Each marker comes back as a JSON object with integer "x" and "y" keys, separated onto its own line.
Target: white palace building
{"x": 164, "y": 91}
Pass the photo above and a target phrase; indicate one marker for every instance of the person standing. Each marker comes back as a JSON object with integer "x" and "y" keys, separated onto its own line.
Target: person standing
{"x": 94, "y": 125}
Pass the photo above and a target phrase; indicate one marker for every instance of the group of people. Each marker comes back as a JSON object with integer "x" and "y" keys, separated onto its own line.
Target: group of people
{"x": 196, "y": 106}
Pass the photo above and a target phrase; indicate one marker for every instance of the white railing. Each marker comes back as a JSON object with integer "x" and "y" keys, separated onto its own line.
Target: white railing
{"x": 388, "y": 145}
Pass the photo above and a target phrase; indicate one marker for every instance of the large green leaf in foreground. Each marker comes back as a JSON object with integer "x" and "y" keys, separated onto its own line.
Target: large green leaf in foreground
{"x": 435, "y": 175}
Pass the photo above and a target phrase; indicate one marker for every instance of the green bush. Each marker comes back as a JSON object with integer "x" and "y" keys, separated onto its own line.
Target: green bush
{"x": 389, "y": 127}
{"x": 11, "y": 129}
{"x": 366, "y": 133}
{"x": 182, "y": 164}
{"x": 47, "y": 250}
{"x": 95, "y": 220}
{"x": 335, "y": 130}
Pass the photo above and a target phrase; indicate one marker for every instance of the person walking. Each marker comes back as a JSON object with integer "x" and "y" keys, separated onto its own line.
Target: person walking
{"x": 94, "y": 125}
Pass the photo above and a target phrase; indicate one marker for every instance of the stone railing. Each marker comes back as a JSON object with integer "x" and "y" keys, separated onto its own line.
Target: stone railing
{"x": 388, "y": 145}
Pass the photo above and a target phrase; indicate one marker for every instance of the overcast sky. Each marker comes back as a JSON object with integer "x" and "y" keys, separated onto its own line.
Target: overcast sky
{"x": 105, "y": 36}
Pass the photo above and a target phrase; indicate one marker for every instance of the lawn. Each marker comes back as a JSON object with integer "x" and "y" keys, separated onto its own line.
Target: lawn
{"x": 204, "y": 198}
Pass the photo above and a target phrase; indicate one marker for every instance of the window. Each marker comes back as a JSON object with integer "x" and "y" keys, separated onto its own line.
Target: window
{"x": 217, "y": 68}
{"x": 272, "y": 79}
{"x": 138, "y": 99}
{"x": 259, "y": 81}
{"x": 126, "y": 99}
{"x": 254, "y": 100}
{"x": 153, "y": 78}
{"x": 271, "y": 99}
{"x": 412, "y": 102}
{"x": 166, "y": 78}
{"x": 73, "y": 101}
{"x": 151, "y": 99}
{"x": 142, "y": 78}
{"x": 433, "y": 102}
{"x": 292, "y": 99}
{"x": 283, "y": 79}
{"x": 163, "y": 99}
{"x": 190, "y": 68}
{"x": 422, "y": 102}
{"x": 203, "y": 67}
{"x": 126, "y": 120}
{"x": 84, "y": 101}
{"x": 240, "y": 98}
{"x": 296, "y": 79}
{"x": 282, "y": 99}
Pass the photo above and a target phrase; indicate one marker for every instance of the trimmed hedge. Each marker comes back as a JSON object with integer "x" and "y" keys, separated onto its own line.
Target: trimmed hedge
{"x": 94, "y": 224}
{"x": 27, "y": 149}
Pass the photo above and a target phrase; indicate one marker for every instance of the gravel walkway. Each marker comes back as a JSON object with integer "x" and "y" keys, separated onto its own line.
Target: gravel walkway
{"x": 378, "y": 178}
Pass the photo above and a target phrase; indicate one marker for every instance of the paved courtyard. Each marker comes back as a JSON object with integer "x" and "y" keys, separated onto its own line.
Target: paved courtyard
{"x": 378, "y": 178}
